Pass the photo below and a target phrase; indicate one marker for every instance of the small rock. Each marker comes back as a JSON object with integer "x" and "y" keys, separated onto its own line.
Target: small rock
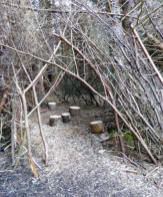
{"x": 101, "y": 151}
{"x": 104, "y": 136}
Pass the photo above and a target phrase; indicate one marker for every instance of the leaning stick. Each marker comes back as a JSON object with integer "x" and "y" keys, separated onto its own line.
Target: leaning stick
{"x": 147, "y": 54}
{"x": 40, "y": 125}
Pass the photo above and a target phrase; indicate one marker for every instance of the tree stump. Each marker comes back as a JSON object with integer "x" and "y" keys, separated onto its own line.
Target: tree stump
{"x": 74, "y": 110}
{"x": 52, "y": 105}
{"x": 54, "y": 119}
{"x": 97, "y": 126}
{"x": 65, "y": 117}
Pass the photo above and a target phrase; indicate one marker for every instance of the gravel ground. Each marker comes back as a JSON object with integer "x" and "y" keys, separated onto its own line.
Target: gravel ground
{"x": 79, "y": 165}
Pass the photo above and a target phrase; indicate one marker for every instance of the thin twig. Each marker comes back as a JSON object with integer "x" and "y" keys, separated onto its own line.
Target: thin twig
{"x": 63, "y": 11}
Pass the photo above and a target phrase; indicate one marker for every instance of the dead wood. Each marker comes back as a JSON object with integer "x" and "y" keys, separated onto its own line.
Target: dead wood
{"x": 74, "y": 110}
{"x": 65, "y": 117}
{"x": 53, "y": 119}
{"x": 97, "y": 126}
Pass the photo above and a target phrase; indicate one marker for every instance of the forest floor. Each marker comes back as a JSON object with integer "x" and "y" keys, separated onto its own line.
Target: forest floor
{"x": 79, "y": 164}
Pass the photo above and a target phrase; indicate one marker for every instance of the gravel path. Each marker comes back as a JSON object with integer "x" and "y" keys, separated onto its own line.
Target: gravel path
{"x": 79, "y": 166}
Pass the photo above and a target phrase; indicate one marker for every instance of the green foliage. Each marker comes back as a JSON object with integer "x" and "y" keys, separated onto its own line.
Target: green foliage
{"x": 128, "y": 137}
{"x": 112, "y": 132}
